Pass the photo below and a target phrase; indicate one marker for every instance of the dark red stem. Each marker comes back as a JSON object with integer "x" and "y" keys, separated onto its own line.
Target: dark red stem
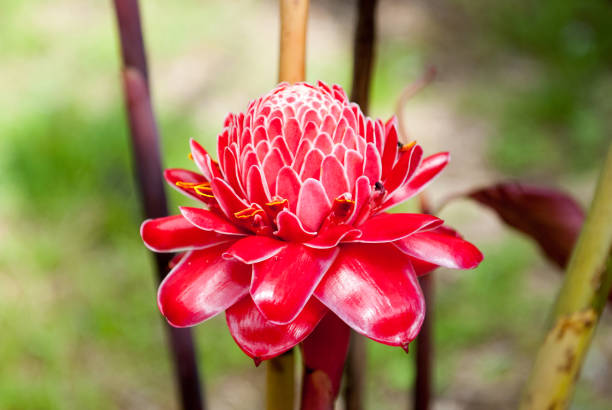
{"x": 424, "y": 342}
{"x": 424, "y": 349}
{"x": 363, "y": 64}
{"x": 324, "y": 353}
{"x": 364, "y": 49}
{"x": 147, "y": 162}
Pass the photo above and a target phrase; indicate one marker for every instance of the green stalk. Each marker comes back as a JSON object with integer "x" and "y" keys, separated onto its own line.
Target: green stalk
{"x": 280, "y": 381}
{"x": 578, "y": 308}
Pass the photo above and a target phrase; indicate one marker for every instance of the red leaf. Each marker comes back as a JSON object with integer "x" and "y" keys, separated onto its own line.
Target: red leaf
{"x": 552, "y": 218}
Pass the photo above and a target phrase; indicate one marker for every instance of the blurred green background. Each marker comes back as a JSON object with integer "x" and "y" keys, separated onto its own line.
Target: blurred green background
{"x": 523, "y": 92}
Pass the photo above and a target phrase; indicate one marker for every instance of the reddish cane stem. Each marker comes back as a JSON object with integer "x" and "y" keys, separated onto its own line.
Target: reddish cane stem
{"x": 424, "y": 342}
{"x": 424, "y": 349}
{"x": 363, "y": 62}
{"x": 147, "y": 161}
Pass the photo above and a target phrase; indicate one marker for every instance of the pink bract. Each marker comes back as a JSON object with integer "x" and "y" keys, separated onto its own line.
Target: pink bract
{"x": 292, "y": 225}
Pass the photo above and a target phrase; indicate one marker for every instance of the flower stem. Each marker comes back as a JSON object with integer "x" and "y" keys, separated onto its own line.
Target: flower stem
{"x": 424, "y": 343}
{"x": 424, "y": 349}
{"x": 280, "y": 378}
{"x": 147, "y": 161}
{"x": 363, "y": 65}
{"x": 578, "y": 308}
{"x": 292, "y": 57}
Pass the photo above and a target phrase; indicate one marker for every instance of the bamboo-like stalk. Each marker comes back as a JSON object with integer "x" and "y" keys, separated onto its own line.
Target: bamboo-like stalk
{"x": 280, "y": 382}
{"x": 147, "y": 163}
{"x": 280, "y": 379}
{"x": 292, "y": 57}
{"x": 363, "y": 65}
{"x": 578, "y": 308}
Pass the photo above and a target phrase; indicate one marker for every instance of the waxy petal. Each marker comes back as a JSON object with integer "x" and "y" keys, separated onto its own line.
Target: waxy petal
{"x": 290, "y": 228}
{"x": 175, "y": 233}
{"x": 254, "y": 248}
{"x": 372, "y": 166}
{"x": 332, "y": 236}
{"x": 203, "y": 161}
{"x": 333, "y": 178}
{"x": 257, "y": 190}
{"x": 425, "y": 173}
{"x": 210, "y": 221}
{"x": 391, "y": 227}
{"x": 288, "y": 186}
{"x": 272, "y": 163}
{"x": 172, "y": 176}
{"x": 374, "y": 289}
{"x": 261, "y": 339}
{"x": 313, "y": 205}
{"x": 226, "y": 197}
{"x": 312, "y": 165}
{"x": 202, "y": 285}
{"x": 441, "y": 249}
{"x": 281, "y": 286}
{"x": 363, "y": 192}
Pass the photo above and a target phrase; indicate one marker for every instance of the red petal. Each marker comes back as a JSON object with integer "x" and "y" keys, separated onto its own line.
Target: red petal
{"x": 261, "y": 339}
{"x": 292, "y": 134}
{"x": 313, "y": 205}
{"x": 203, "y": 161}
{"x": 363, "y": 191}
{"x": 290, "y": 228}
{"x": 372, "y": 167}
{"x": 210, "y": 221}
{"x": 231, "y": 171}
{"x": 226, "y": 197}
{"x": 253, "y": 249}
{"x": 175, "y": 233}
{"x": 303, "y": 149}
{"x": 257, "y": 191}
{"x": 403, "y": 169}
{"x": 333, "y": 178}
{"x": 374, "y": 289}
{"x": 281, "y": 286}
{"x": 200, "y": 286}
{"x": 332, "y": 236}
{"x": 324, "y": 143}
{"x": 312, "y": 165}
{"x": 441, "y": 249}
{"x": 175, "y": 175}
{"x": 288, "y": 186}
{"x": 429, "y": 169}
{"x": 272, "y": 163}
{"x": 353, "y": 163}
{"x": 391, "y": 227}
{"x": 390, "y": 150}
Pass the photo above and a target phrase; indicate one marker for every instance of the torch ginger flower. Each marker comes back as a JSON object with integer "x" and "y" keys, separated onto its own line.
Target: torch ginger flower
{"x": 293, "y": 225}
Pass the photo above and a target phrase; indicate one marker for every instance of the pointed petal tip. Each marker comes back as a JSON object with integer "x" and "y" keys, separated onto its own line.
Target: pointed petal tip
{"x": 406, "y": 347}
{"x": 257, "y": 361}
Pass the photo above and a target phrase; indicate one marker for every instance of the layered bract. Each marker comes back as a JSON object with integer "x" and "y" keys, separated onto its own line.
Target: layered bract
{"x": 292, "y": 225}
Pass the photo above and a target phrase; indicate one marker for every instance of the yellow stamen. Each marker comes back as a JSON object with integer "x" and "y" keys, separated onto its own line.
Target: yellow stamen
{"x": 204, "y": 190}
{"x": 200, "y": 188}
{"x": 281, "y": 202}
{"x": 190, "y": 156}
{"x": 406, "y": 147}
{"x": 188, "y": 185}
{"x": 247, "y": 213}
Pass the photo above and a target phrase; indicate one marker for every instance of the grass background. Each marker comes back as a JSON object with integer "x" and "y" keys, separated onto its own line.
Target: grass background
{"x": 523, "y": 93}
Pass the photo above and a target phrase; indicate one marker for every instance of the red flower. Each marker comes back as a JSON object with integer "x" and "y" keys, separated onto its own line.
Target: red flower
{"x": 294, "y": 226}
